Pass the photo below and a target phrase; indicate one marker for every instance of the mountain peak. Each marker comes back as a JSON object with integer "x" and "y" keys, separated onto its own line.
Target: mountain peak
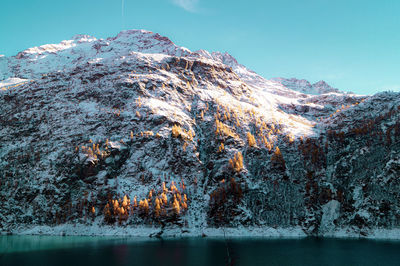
{"x": 304, "y": 86}
{"x": 225, "y": 58}
{"x": 83, "y": 38}
{"x": 133, "y": 33}
{"x": 148, "y": 42}
{"x": 324, "y": 87}
{"x": 321, "y": 83}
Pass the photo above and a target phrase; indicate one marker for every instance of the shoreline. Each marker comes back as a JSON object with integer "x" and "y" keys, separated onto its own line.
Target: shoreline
{"x": 208, "y": 232}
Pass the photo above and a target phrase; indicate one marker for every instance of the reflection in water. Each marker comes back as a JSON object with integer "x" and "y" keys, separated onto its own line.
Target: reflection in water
{"x": 45, "y": 250}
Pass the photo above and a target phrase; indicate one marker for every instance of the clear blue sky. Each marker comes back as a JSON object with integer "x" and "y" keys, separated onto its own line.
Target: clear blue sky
{"x": 352, "y": 44}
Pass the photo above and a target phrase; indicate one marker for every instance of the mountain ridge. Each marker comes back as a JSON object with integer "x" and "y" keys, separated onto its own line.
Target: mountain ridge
{"x": 143, "y": 38}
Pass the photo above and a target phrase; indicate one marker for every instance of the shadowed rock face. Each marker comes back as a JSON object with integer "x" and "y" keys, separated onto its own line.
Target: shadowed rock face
{"x": 95, "y": 121}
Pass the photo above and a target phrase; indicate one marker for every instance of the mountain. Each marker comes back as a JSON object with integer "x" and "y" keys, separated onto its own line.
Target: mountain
{"x": 136, "y": 135}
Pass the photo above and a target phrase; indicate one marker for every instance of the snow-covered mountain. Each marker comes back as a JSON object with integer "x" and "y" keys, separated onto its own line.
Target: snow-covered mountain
{"x": 88, "y": 121}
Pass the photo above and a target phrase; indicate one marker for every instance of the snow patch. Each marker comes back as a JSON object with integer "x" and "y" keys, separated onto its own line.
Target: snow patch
{"x": 330, "y": 212}
{"x": 12, "y": 82}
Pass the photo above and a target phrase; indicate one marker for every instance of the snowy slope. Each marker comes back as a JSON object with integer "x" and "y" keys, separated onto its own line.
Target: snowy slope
{"x": 133, "y": 44}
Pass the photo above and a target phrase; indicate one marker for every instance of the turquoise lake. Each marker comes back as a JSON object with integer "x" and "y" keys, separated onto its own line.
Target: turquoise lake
{"x": 58, "y": 250}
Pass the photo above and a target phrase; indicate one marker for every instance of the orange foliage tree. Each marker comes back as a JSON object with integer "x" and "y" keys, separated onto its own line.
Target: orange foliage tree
{"x": 277, "y": 159}
{"x": 237, "y": 162}
{"x": 166, "y": 203}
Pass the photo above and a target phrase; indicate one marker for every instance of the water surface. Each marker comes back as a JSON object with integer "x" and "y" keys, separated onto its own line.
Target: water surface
{"x": 58, "y": 250}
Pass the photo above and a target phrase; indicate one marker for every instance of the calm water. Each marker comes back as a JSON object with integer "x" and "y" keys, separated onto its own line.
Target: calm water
{"x": 45, "y": 250}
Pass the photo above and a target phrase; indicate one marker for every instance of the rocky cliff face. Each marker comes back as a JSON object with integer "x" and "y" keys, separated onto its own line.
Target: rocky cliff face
{"x": 86, "y": 122}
